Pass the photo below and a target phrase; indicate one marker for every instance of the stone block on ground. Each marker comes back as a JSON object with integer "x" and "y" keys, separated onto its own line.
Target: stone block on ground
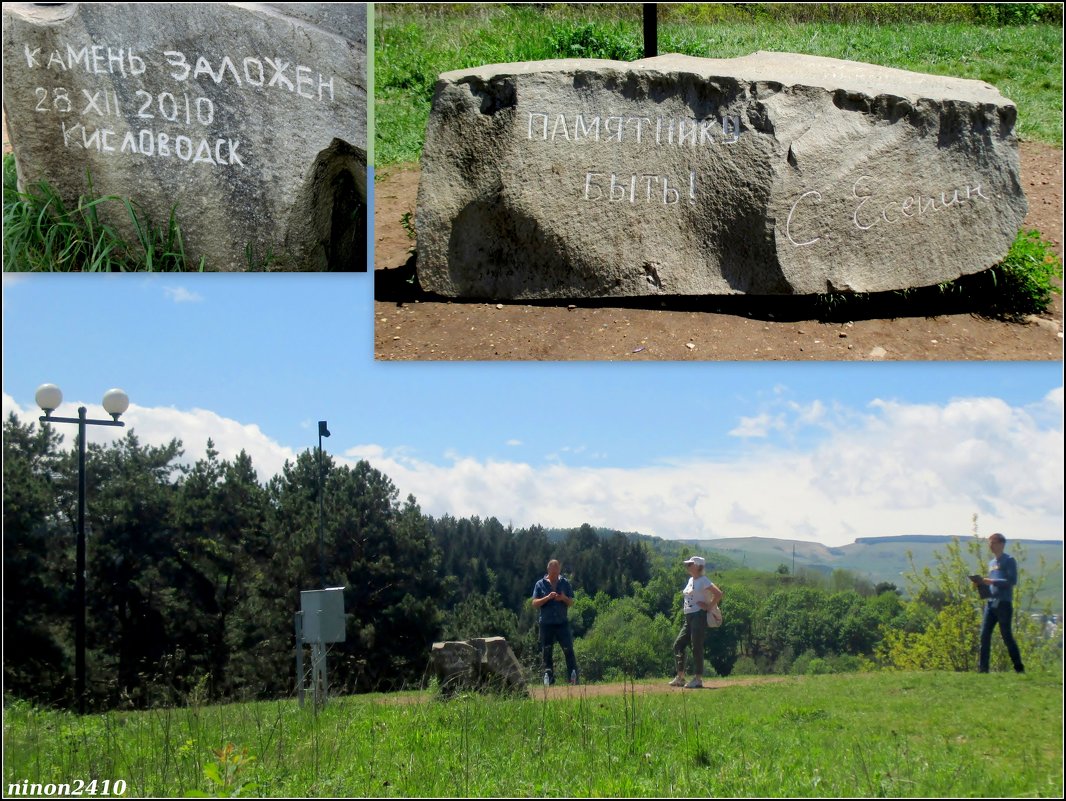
{"x": 774, "y": 173}
{"x": 482, "y": 664}
{"x": 248, "y": 120}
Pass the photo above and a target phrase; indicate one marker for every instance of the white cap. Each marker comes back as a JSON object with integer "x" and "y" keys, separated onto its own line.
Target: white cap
{"x": 696, "y": 560}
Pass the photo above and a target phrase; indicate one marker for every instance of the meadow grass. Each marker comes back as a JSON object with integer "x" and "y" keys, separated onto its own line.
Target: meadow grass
{"x": 877, "y": 734}
{"x": 413, "y": 45}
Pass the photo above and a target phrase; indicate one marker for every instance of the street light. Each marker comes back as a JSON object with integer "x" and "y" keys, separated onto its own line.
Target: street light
{"x": 323, "y": 431}
{"x": 115, "y": 402}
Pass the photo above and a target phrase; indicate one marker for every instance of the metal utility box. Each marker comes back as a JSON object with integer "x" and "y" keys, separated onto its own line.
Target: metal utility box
{"x": 323, "y": 615}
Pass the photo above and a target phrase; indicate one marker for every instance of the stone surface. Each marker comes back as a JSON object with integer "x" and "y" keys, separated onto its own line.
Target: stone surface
{"x": 768, "y": 174}
{"x": 481, "y": 664}
{"x": 251, "y": 118}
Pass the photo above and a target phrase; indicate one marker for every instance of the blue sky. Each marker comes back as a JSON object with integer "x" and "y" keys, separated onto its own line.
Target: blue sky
{"x": 817, "y": 451}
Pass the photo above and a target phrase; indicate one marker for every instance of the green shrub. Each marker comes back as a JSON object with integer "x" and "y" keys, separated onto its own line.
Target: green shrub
{"x": 949, "y": 641}
{"x": 625, "y": 642}
{"x": 745, "y": 666}
{"x": 782, "y": 665}
{"x": 992, "y": 14}
{"x": 595, "y": 40}
{"x": 802, "y": 664}
{"x": 1018, "y": 13}
{"x": 819, "y": 667}
{"x": 1024, "y": 281}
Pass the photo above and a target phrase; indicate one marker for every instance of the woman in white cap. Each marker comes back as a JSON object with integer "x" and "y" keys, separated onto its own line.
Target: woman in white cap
{"x": 700, "y": 596}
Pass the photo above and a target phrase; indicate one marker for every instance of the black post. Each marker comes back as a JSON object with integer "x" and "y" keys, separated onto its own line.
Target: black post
{"x": 79, "y": 577}
{"x": 651, "y": 30}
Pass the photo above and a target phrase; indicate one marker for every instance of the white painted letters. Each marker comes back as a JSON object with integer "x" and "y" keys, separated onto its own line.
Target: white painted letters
{"x": 788, "y": 223}
{"x": 875, "y": 205}
{"x": 616, "y": 129}
{"x": 170, "y": 92}
{"x": 655, "y": 188}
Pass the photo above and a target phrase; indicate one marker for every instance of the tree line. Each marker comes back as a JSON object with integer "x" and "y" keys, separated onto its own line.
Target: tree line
{"x": 194, "y": 572}
{"x": 194, "y": 576}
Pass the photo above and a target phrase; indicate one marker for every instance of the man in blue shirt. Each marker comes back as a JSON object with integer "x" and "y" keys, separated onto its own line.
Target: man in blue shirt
{"x": 553, "y": 595}
{"x": 999, "y": 608}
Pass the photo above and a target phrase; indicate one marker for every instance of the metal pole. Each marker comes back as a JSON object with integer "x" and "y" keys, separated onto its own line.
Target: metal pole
{"x": 651, "y": 31}
{"x": 321, "y": 557}
{"x": 316, "y": 672}
{"x": 323, "y": 431}
{"x": 325, "y": 676}
{"x": 79, "y": 576}
{"x": 299, "y": 621}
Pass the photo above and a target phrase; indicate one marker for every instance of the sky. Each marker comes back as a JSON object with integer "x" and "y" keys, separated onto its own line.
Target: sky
{"x": 814, "y": 451}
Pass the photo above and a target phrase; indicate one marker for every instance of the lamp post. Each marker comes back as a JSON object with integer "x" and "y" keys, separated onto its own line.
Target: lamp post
{"x": 323, "y": 431}
{"x": 115, "y": 402}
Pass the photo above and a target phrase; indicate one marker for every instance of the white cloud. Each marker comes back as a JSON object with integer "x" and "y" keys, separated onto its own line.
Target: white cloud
{"x": 159, "y": 425}
{"x": 892, "y": 468}
{"x": 740, "y": 516}
{"x": 180, "y": 294}
{"x": 979, "y": 450}
{"x": 8, "y": 281}
{"x": 759, "y": 426}
{"x": 809, "y": 414}
{"x": 514, "y": 443}
{"x": 371, "y": 453}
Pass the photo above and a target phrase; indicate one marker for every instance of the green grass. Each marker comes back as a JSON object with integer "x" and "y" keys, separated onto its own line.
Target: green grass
{"x": 882, "y": 734}
{"x": 42, "y": 235}
{"x": 413, "y": 45}
{"x": 1023, "y": 283}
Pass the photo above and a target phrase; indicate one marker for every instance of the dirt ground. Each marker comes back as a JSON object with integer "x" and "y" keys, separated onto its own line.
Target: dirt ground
{"x": 411, "y": 324}
{"x": 596, "y": 690}
{"x": 642, "y": 688}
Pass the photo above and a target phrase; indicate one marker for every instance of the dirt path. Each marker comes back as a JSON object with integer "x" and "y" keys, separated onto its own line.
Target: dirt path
{"x": 597, "y": 690}
{"x": 410, "y": 324}
{"x": 645, "y": 687}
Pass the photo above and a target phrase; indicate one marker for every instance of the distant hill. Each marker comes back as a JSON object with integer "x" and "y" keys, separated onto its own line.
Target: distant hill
{"x": 876, "y": 558}
{"x": 669, "y": 549}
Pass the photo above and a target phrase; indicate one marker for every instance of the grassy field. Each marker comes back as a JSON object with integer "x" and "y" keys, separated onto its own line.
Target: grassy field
{"x": 884, "y": 734}
{"x": 413, "y": 45}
